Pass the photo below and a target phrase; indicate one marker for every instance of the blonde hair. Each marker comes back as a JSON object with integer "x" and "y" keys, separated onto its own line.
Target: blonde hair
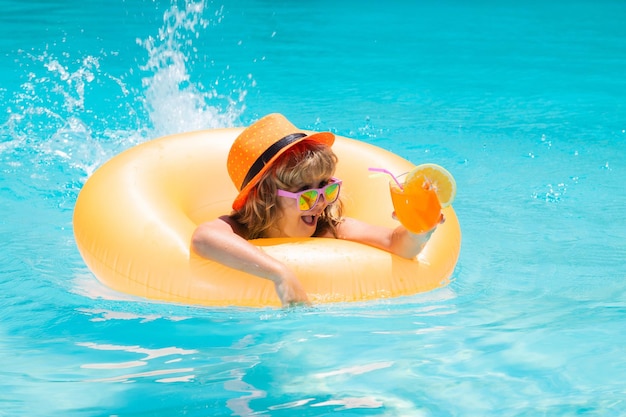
{"x": 300, "y": 163}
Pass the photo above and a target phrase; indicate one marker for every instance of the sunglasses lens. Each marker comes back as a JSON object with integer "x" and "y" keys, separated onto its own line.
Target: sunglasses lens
{"x": 331, "y": 192}
{"x": 307, "y": 200}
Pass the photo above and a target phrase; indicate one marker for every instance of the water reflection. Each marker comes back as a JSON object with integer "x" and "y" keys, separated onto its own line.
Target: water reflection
{"x": 147, "y": 355}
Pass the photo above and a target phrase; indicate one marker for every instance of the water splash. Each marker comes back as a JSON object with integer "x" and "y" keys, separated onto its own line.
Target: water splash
{"x": 74, "y": 113}
{"x": 553, "y": 193}
{"x": 173, "y": 100}
{"x": 48, "y": 121}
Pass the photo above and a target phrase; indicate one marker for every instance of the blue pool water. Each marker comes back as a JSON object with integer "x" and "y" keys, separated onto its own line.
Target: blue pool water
{"x": 524, "y": 102}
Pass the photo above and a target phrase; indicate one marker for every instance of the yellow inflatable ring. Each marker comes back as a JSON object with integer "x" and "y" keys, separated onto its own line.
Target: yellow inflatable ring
{"x": 135, "y": 215}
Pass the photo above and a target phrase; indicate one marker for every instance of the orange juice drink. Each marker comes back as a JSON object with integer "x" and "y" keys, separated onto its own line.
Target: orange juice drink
{"x": 417, "y": 205}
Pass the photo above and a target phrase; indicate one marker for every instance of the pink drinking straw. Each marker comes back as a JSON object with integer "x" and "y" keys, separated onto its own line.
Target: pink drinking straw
{"x": 383, "y": 170}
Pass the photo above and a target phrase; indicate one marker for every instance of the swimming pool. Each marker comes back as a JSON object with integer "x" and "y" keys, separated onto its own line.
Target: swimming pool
{"x": 524, "y": 104}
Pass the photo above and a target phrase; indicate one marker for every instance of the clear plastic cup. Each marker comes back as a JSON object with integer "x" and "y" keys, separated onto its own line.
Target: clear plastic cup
{"x": 416, "y": 205}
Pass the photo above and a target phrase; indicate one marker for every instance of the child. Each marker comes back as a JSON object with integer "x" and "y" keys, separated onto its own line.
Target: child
{"x": 287, "y": 189}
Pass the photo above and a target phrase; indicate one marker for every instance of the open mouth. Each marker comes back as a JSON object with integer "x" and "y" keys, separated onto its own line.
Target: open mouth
{"x": 309, "y": 220}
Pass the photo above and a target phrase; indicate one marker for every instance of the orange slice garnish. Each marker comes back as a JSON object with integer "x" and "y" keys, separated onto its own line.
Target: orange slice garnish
{"x": 437, "y": 177}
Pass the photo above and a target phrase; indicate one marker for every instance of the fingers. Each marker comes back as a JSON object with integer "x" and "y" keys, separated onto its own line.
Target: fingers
{"x": 295, "y": 304}
{"x": 291, "y": 293}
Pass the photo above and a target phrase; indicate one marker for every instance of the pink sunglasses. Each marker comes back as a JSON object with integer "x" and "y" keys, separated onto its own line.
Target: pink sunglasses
{"x": 307, "y": 199}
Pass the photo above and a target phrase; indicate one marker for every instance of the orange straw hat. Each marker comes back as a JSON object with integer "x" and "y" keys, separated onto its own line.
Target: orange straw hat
{"x": 257, "y": 147}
